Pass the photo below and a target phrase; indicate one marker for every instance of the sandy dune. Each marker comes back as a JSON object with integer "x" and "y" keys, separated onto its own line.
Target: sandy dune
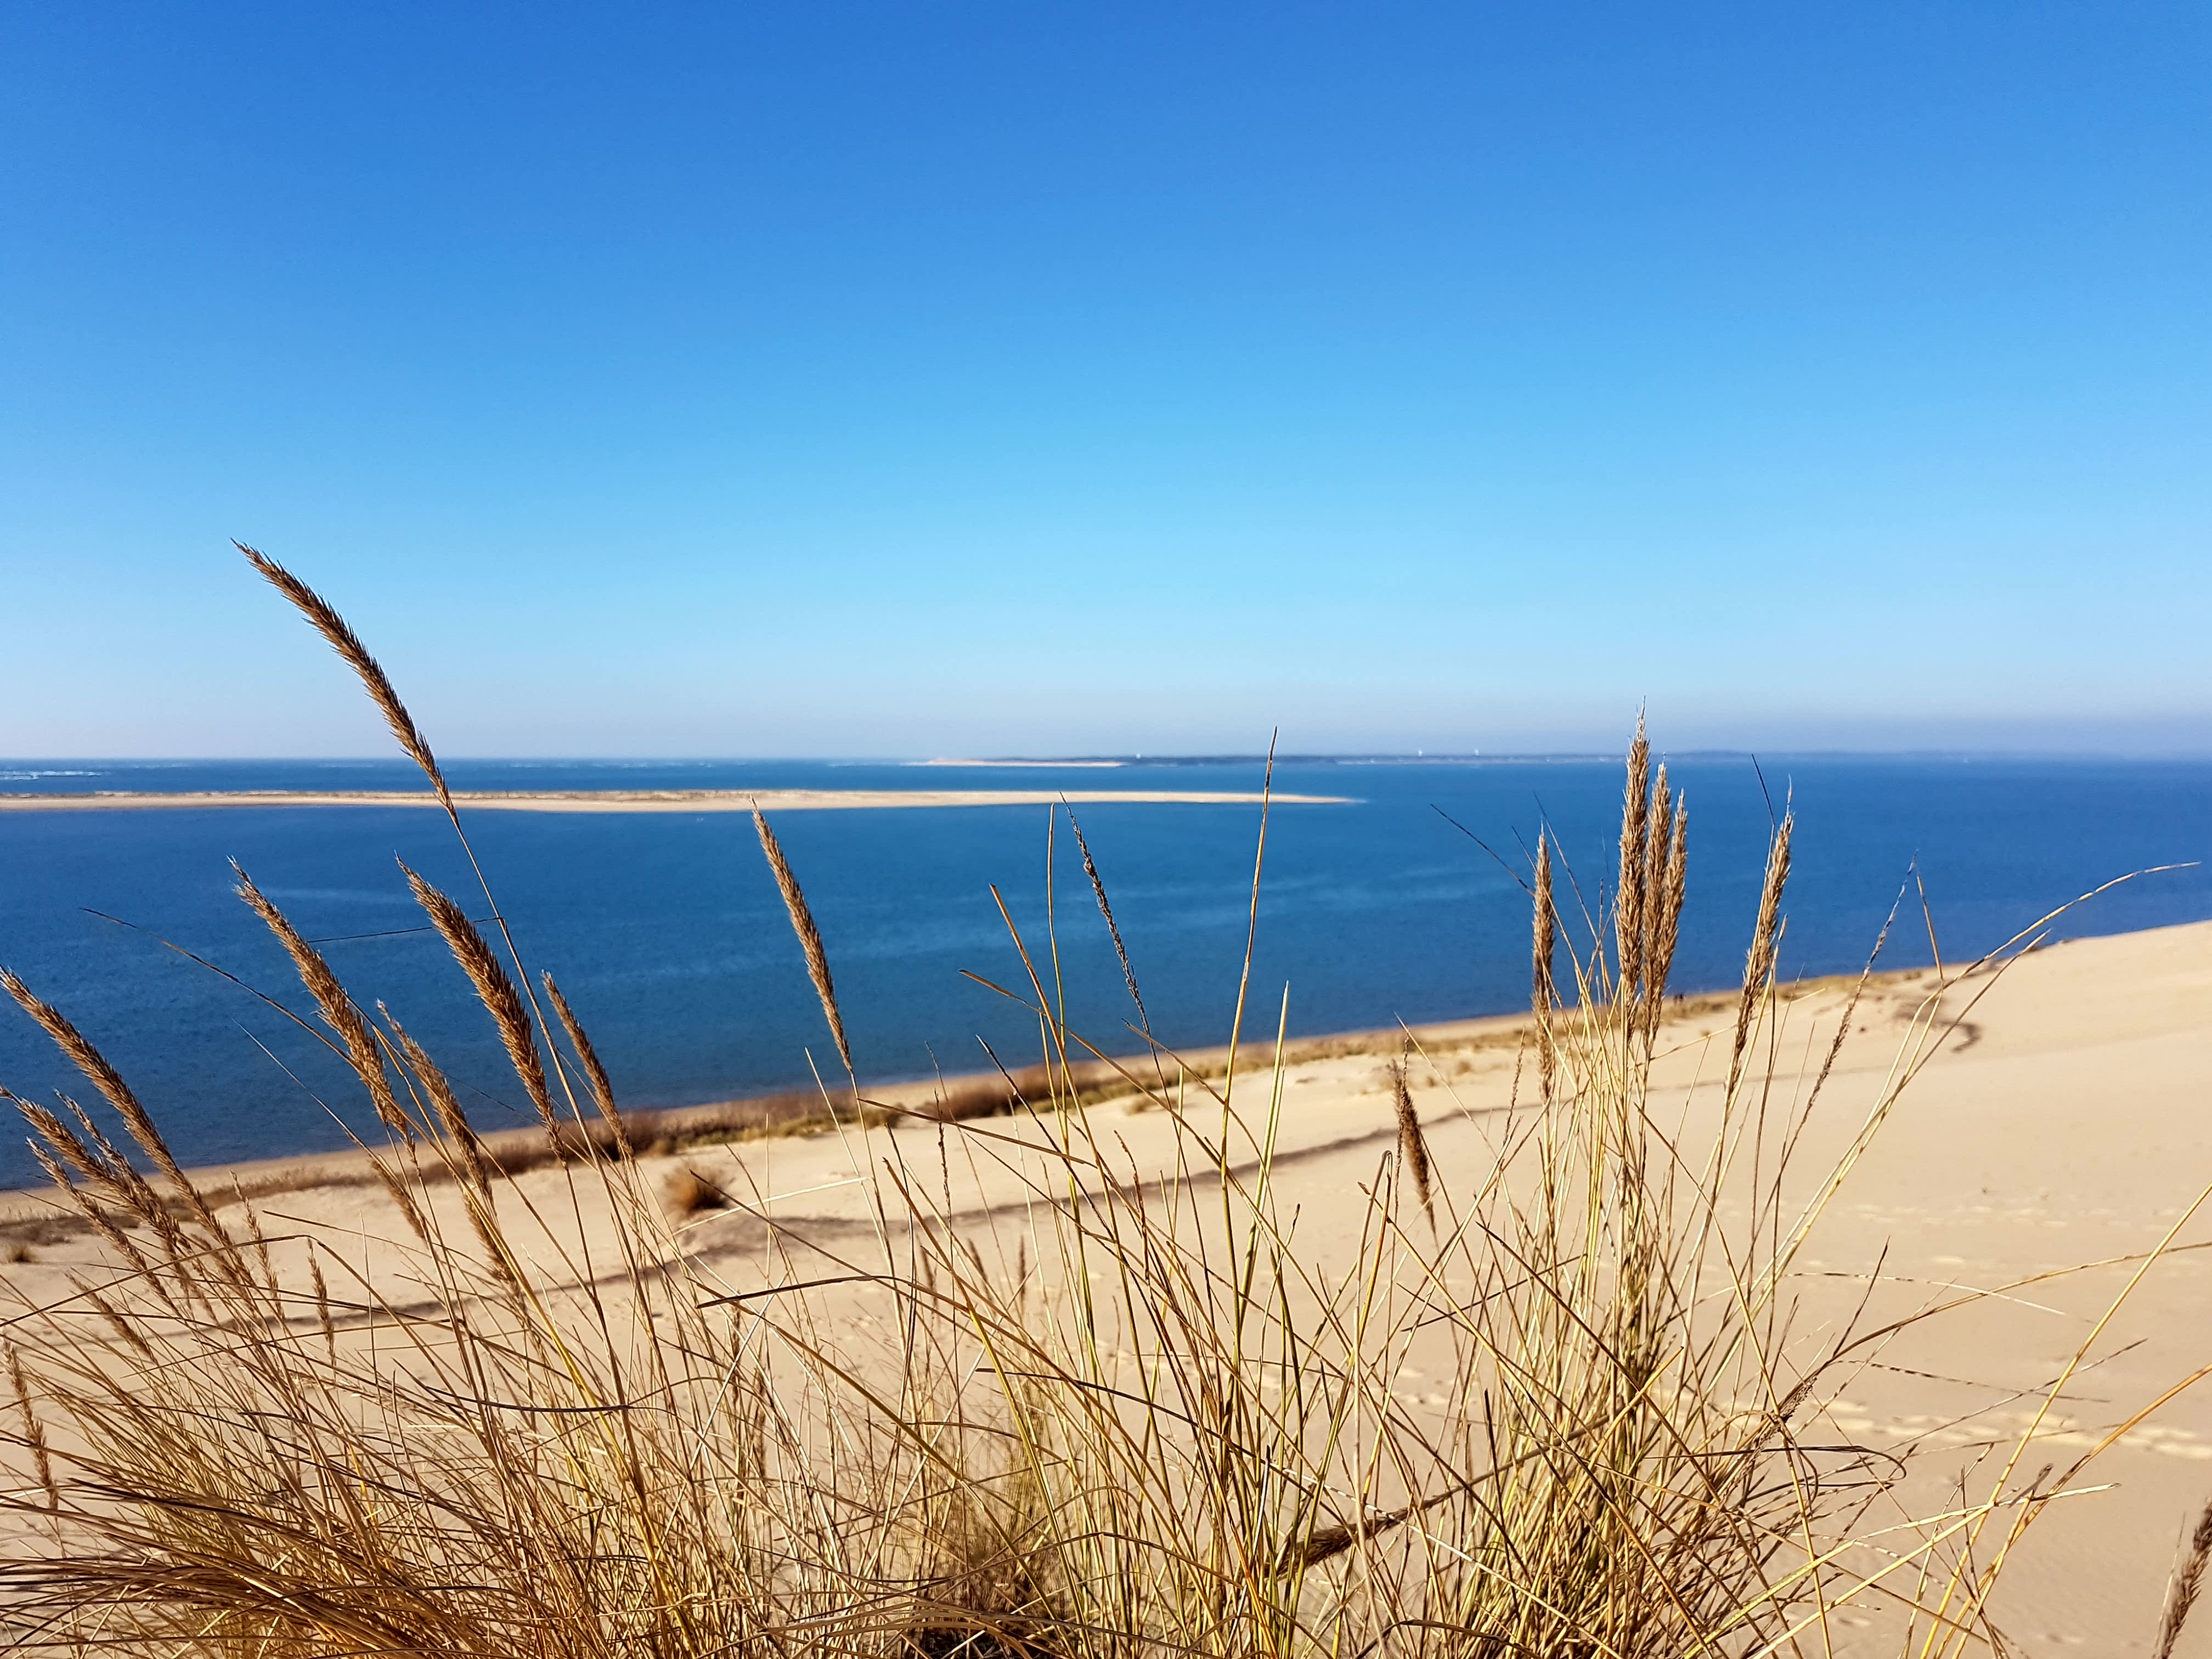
{"x": 2068, "y": 1120}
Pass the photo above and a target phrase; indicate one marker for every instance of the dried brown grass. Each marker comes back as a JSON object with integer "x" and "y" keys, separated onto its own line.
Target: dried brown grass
{"x": 810, "y": 936}
{"x": 493, "y": 986}
{"x": 2181, "y": 1592}
{"x": 595, "y": 1074}
{"x": 1543, "y": 992}
{"x": 688, "y": 1193}
{"x": 326, "y": 620}
{"x": 1412, "y": 1144}
{"x": 337, "y": 1009}
{"x": 1765, "y": 941}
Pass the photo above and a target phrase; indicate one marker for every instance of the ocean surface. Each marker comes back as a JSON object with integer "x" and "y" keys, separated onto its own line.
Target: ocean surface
{"x": 666, "y": 932}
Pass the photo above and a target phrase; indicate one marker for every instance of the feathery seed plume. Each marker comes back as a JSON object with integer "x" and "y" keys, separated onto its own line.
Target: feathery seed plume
{"x": 34, "y": 1433}
{"x": 1542, "y": 995}
{"x": 1628, "y": 901}
{"x": 603, "y": 1091}
{"x": 1412, "y": 1144}
{"x": 325, "y": 621}
{"x": 118, "y": 1093}
{"x": 322, "y": 1291}
{"x": 1759, "y": 961}
{"x": 810, "y": 936}
{"x": 492, "y": 984}
{"x": 475, "y": 1168}
{"x": 338, "y": 1009}
{"x": 2182, "y": 1590}
{"x": 1105, "y": 909}
{"x": 1666, "y": 902}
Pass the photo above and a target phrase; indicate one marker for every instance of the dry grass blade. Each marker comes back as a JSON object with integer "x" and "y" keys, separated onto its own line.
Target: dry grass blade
{"x": 34, "y": 1433}
{"x": 338, "y": 1009}
{"x": 104, "y": 1078}
{"x": 327, "y": 621}
{"x": 1412, "y": 1144}
{"x": 2182, "y": 1590}
{"x": 322, "y": 1295}
{"x": 1657, "y": 837}
{"x": 460, "y": 1135}
{"x": 1543, "y": 992}
{"x": 1668, "y": 893}
{"x": 1635, "y": 838}
{"x": 1113, "y": 927}
{"x": 810, "y": 936}
{"x": 602, "y": 1089}
{"x": 1765, "y": 933}
{"x": 492, "y": 984}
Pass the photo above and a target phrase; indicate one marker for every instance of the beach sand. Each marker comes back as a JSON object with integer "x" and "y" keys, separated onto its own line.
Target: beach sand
{"x": 2068, "y": 1120}
{"x": 648, "y": 801}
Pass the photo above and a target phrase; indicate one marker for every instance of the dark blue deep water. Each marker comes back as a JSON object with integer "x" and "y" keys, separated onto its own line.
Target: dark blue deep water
{"x": 666, "y": 932}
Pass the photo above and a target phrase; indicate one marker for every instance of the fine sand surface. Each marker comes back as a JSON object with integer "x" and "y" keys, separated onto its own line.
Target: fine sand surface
{"x": 653, "y": 800}
{"x": 2067, "y": 1121}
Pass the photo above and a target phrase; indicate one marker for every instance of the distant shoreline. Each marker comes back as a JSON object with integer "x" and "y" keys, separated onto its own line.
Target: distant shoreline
{"x": 649, "y": 800}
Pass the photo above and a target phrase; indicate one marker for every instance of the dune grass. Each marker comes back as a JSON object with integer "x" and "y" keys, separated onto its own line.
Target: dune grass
{"x": 1145, "y": 1421}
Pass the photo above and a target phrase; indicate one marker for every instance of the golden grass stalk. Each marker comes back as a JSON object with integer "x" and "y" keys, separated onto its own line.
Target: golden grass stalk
{"x": 1670, "y": 888}
{"x": 79, "y": 1050}
{"x": 1629, "y": 900}
{"x": 1758, "y": 962}
{"x": 493, "y": 987}
{"x": 2181, "y": 1591}
{"x": 325, "y": 618}
{"x": 810, "y": 936}
{"x": 603, "y": 1091}
{"x": 1412, "y": 1144}
{"x": 34, "y": 1433}
{"x": 325, "y": 621}
{"x": 337, "y": 1008}
{"x": 1658, "y": 835}
{"x": 466, "y": 1146}
{"x": 1113, "y": 927}
{"x": 321, "y": 1291}
{"x": 1543, "y": 992}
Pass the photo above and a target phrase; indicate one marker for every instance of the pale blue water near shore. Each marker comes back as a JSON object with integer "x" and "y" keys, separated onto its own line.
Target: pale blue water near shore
{"x": 666, "y": 932}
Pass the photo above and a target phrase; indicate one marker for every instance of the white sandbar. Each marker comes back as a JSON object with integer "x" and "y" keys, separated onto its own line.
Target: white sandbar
{"x": 655, "y": 800}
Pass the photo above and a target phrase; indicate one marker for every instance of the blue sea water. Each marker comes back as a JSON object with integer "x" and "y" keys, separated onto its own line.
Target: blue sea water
{"x": 666, "y": 932}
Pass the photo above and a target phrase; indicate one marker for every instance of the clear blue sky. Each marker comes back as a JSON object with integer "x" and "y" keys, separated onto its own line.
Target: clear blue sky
{"x": 956, "y": 378}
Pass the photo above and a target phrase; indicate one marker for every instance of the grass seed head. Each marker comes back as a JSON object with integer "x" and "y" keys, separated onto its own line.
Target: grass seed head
{"x": 323, "y": 616}
{"x": 338, "y": 1009}
{"x": 810, "y": 936}
{"x": 493, "y": 987}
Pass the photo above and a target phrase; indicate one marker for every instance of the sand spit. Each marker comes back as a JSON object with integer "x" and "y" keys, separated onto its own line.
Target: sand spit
{"x": 657, "y": 800}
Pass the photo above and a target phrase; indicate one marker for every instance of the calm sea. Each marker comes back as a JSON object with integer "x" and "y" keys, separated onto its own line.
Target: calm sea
{"x": 667, "y": 934}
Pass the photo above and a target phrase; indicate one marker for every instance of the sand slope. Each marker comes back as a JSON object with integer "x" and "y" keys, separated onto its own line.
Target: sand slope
{"x": 2068, "y": 1120}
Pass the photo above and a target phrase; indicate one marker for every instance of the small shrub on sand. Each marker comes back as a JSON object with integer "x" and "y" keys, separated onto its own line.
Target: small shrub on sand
{"x": 689, "y": 1193}
{"x": 1138, "y": 1420}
